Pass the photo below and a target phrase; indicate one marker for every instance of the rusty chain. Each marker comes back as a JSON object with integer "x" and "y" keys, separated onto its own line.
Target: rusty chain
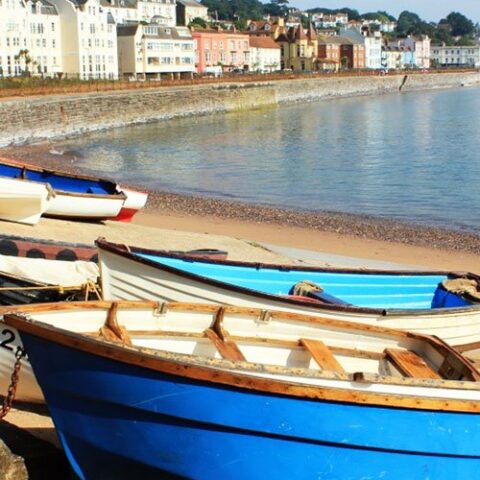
{"x": 12, "y": 389}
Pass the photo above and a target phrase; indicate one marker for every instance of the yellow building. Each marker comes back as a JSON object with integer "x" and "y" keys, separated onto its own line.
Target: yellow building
{"x": 299, "y": 48}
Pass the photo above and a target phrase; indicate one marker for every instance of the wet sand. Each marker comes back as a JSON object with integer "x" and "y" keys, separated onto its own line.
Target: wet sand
{"x": 336, "y": 233}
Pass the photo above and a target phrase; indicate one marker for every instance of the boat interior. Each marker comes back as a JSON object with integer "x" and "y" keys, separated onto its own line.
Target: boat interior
{"x": 359, "y": 289}
{"x": 58, "y": 181}
{"x": 279, "y": 339}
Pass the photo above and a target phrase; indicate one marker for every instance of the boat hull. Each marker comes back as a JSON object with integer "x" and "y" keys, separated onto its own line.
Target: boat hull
{"x": 84, "y": 206}
{"x": 124, "y": 278}
{"x": 22, "y": 202}
{"x": 134, "y": 202}
{"x": 116, "y": 419}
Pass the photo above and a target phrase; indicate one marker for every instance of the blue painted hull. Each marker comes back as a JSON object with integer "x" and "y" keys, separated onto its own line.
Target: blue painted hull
{"x": 59, "y": 181}
{"x": 120, "y": 421}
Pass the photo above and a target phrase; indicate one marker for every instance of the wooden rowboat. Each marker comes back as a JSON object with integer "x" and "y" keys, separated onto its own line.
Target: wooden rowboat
{"x": 151, "y": 391}
{"x": 397, "y": 299}
{"x": 23, "y": 201}
{"x": 78, "y": 196}
{"x": 16, "y": 246}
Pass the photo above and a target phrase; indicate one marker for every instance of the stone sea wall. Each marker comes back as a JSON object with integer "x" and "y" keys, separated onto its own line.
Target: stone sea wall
{"x": 33, "y": 119}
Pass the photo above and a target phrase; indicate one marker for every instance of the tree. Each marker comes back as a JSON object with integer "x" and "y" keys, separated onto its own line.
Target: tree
{"x": 276, "y": 8}
{"x": 459, "y": 24}
{"x": 407, "y": 22}
{"x": 24, "y": 55}
{"x": 198, "y": 22}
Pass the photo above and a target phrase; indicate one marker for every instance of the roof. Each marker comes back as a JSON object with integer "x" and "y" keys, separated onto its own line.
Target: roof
{"x": 46, "y": 7}
{"x": 263, "y": 42}
{"x": 192, "y": 3}
{"x": 119, "y": 3}
{"x": 127, "y": 30}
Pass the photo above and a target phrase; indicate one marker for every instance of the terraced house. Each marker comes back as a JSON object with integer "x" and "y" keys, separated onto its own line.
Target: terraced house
{"x": 155, "y": 51}
{"x": 89, "y": 39}
{"x": 227, "y": 49}
{"x": 30, "y": 38}
{"x": 299, "y": 48}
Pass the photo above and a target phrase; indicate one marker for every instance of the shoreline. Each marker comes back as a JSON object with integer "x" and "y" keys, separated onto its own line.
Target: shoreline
{"x": 60, "y": 116}
{"x": 338, "y": 233}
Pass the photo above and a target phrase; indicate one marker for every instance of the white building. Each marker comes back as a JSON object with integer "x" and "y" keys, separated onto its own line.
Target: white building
{"x": 265, "y": 54}
{"x": 45, "y": 40}
{"x": 187, "y": 10}
{"x": 30, "y": 38}
{"x": 123, "y": 11}
{"x": 421, "y": 46}
{"x": 163, "y": 11}
{"x": 154, "y": 51}
{"x": 464, "y": 56}
{"x": 372, "y": 42}
{"x": 89, "y": 39}
{"x": 324, "y": 20}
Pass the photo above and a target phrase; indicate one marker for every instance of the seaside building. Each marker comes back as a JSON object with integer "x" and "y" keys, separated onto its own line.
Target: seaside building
{"x": 163, "y": 12}
{"x": 30, "y": 39}
{"x": 155, "y": 51}
{"x": 89, "y": 39}
{"x": 420, "y": 45}
{"x": 392, "y": 57}
{"x": 123, "y": 11}
{"x": 266, "y": 28}
{"x": 187, "y": 10}
{"x": 455, "y": 56}
{"x": 299, "y": 48}
{"x": 329, "y": 52}
{"x": 324, "y": 20}
{"x": 226, "y": 49}
{"x": 372, "y": 42}
{"x": 265, "y": 54}
{"x": 352, "y": 53}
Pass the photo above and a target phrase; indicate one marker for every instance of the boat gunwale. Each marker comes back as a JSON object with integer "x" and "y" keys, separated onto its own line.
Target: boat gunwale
{"x": 130, "y": 252}
{"x": 210, "y": 370}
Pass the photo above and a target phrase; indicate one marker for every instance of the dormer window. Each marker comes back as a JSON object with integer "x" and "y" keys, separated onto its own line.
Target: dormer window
{"x": 267, "y": 27}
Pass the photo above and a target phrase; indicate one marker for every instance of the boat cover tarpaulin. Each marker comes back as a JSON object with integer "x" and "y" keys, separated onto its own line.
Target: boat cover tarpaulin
{"x": 54, "y": 272}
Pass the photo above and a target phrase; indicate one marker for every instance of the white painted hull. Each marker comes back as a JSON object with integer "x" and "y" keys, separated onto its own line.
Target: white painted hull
{"x": 84, "y": 206}
{"x": 134, "y": 202}
{"x": 22, "y": 201}
{"x": 126, "y": 279}
{"x": 28, "y": 389}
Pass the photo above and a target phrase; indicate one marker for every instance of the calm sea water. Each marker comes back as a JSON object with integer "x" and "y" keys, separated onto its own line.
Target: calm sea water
{"x": 413, "y": 157}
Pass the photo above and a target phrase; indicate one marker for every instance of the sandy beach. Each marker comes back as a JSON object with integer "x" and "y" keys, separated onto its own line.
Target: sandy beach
{"x": 174, "y": 221}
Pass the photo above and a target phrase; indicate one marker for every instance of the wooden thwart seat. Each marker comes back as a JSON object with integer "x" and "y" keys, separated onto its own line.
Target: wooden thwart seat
{"x": 410, "y": 364}
{"x": 227, "y": 348}
{"x": 322, "y": 355}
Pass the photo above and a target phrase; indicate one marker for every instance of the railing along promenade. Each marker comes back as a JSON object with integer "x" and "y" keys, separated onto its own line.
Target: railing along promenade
{"x": 31, "y": 86}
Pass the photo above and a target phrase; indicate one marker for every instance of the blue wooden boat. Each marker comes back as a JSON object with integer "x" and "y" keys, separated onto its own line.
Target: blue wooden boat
{"x": 222, "y": 406}
{"x": 415, "y": 300}
{"x": 77, "y": 196}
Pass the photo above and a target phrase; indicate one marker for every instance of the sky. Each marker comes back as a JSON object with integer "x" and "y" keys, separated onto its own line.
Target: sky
{"x": 430, "y": 10}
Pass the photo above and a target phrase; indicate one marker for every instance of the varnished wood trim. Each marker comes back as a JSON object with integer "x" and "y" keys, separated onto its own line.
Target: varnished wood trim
{"x": 203, "y": 370}
{"x": 467, "y": 347}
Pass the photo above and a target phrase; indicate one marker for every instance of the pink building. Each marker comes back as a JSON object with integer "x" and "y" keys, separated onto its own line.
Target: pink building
{"x": 228, "y": 49}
